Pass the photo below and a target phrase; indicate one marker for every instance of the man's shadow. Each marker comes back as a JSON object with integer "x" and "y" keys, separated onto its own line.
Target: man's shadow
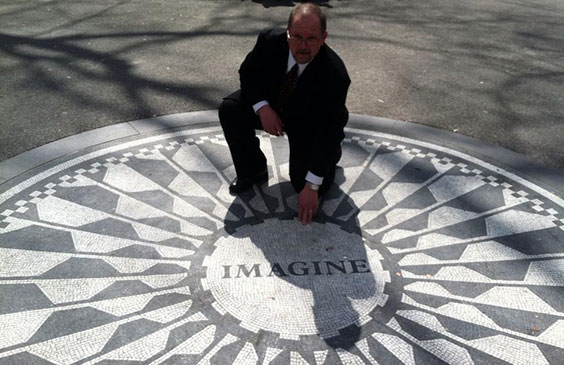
{"x": 326, "y": 265}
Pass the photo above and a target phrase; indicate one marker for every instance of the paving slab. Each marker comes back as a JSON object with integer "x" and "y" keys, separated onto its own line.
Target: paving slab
{"x": 38, "y": 156}
{"x": 174, "y": 121}
{"x": 133, "y": 250}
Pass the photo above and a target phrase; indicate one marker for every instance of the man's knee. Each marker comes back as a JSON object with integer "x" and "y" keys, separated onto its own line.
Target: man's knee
{"x": 231, "y": 107}
{"x": 228, "y": 111}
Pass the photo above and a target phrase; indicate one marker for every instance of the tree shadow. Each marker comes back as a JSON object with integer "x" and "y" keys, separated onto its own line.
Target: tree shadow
{"x": 513, "y": 47}
{"x": 112, "y": 68}
{"x": 73, "y": 82}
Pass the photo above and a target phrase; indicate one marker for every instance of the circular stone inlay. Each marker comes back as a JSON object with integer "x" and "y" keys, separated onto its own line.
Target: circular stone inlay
{"x": 136, "y": 252}
{"x": 294, "y": 280}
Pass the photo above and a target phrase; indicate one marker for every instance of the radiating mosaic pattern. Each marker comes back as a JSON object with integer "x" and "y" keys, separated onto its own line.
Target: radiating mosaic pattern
{"x": 418, "y": 255}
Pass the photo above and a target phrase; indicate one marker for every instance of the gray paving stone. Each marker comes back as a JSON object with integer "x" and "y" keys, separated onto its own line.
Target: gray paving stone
{"x": 31, "y": 159}
{"x": 173, "y": 121}
{"x": 134, "y": 251}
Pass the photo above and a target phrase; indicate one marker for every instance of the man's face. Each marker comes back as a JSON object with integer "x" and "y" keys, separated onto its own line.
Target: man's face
{"x": 305, "y": 37}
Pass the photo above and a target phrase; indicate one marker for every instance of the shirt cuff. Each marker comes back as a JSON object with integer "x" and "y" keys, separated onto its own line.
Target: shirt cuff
{"x": 259, "y": 105}
{"x": 314, "y": 179}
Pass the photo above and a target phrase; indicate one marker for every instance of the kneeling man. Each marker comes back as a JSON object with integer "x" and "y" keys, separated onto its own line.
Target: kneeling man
{"x": 293, "y": 83}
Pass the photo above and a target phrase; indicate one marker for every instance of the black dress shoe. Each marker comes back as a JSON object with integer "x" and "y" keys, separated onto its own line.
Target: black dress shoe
{"x": 240, "y": 184}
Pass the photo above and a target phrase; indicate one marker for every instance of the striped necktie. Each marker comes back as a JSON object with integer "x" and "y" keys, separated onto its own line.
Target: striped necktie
{"x": 288, "y": 86}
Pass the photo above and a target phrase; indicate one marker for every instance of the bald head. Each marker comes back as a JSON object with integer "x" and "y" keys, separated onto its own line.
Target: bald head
{"x": 308, "y": 9}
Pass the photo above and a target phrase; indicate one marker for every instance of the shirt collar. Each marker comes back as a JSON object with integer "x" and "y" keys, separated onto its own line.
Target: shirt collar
{"x": 292, "y": 62}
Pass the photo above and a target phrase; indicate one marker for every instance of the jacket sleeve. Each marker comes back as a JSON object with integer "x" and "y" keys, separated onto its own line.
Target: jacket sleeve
{"x": 252, "y": 70}
{"x": 330, "y": 122}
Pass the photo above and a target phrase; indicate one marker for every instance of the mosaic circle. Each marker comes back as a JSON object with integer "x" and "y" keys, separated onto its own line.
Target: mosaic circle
{"x": 419, "y": 254}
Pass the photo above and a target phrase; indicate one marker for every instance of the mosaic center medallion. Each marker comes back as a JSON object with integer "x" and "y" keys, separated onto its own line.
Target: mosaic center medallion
{"x": 136, "y": 252}
{"x": 296, "y": 280}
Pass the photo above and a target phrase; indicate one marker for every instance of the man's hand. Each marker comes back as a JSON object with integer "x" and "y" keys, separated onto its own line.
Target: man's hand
{"x": 307, "y": 204}
{"x": 270, "y": 121}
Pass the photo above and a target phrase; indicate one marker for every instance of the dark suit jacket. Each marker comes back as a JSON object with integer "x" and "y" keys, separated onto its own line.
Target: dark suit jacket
{"x": 315, "y": 114}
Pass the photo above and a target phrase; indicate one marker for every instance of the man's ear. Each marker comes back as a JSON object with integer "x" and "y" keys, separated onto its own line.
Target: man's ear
{"x": 324, "y": 36}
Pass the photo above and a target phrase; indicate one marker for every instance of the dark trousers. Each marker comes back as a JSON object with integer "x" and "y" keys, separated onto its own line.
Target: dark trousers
{"x": 239, "y": 123}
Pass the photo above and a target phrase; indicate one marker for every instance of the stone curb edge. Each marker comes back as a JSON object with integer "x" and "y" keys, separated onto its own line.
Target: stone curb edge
{"x": 521, "y": 165}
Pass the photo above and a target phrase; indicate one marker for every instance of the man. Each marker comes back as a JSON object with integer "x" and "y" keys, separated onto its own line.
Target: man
{"x": 291, "y": 82}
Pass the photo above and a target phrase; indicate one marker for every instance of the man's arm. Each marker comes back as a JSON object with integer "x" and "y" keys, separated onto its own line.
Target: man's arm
{"x": 252, "y": 75}
{"x": 331, "y": 117}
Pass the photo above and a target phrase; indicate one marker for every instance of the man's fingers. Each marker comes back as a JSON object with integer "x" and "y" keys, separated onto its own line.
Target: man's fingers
{"x": 305, "y": 216}
{"x": 276, "y": 131}
{"x": 278, "y": 128}
{"x": 271, "y": 122}
{"x": 307, "y": 205}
